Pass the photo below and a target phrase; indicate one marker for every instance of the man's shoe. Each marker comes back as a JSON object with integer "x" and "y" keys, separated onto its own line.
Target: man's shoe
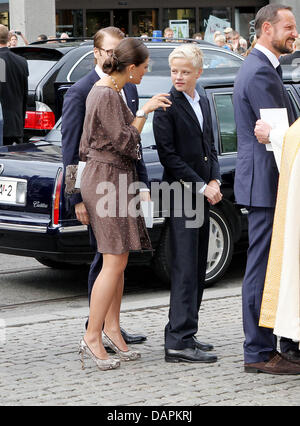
{"x": 188, "y": 355}
{"x": 276, "y": 365}
{"x": 132, "y": 339}
{"x": 206, "y": 347}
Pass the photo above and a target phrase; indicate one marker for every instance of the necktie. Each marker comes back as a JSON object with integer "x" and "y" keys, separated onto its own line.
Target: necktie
{"x": 279, "y": 70}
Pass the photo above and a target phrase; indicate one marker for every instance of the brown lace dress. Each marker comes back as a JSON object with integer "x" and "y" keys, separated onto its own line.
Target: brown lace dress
{"x": 109, "y": 182}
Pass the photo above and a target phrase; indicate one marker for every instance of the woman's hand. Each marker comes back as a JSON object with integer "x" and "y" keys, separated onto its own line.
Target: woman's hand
{"x": 82, "y": 214}
{"x": 262, "y": 131}
{"x": 158, "y": 101}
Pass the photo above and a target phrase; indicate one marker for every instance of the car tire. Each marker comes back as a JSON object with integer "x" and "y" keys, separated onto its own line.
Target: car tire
{"x": 220, "y": 250}
{"x": 59, "y": 265}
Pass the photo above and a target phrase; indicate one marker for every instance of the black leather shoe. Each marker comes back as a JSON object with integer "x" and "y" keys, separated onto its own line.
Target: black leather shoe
{"x": 132, "y": 339}
{"x": 206, "y": 347}
{"x": 188, "y": 355}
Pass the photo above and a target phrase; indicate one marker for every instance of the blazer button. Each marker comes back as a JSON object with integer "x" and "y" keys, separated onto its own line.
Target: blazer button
{"x": 205, "y": 158}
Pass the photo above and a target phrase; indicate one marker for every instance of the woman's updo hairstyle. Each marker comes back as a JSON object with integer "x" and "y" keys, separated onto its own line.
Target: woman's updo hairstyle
{"x": 129, "y": 51}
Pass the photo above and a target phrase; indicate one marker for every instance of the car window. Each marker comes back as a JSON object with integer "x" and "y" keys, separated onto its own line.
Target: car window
{"x": 218, "y": 59}
{"x": 212, "y": 58}
{"x": 83, "y": 67}
{"x": 37, "y": 70}
{"x": 147, "y": 136}
{"x": 225, "y": 117}
{"x": 159, "y": 65}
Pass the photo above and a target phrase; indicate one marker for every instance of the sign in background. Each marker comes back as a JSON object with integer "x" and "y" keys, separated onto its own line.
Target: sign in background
{"x": 214, "y": 24}
{"x": 180, "y": 28}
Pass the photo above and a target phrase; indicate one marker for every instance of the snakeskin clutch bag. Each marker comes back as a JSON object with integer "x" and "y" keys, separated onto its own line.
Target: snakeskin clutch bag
{"x": 70, "y": 179}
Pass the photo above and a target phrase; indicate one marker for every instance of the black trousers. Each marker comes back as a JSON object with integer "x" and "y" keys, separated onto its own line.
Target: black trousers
{"x": 11, "y": 140}
{"x": 189, "y": 247}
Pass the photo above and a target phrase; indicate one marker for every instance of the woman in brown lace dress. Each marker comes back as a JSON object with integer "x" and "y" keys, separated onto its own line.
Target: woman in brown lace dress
{"x": 110, "y": 144}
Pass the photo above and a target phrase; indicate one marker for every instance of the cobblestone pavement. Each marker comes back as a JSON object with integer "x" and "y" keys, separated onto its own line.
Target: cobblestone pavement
{"x": 39, "y": 364}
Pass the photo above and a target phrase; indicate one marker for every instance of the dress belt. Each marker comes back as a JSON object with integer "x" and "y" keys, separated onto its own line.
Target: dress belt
{"x": 112, "y": 158}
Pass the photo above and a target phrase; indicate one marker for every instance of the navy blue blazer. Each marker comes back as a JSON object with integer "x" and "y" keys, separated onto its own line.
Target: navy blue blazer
{"x": 258, "y": 85}
{"x": 187, "y": 153}
{"x": 73, "y": 114}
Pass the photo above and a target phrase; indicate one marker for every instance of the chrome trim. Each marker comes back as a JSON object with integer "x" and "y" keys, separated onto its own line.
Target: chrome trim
{"x": 84, "y": 228}
{"x": 244, "y": 211}
{"x": 76, "y": 228}
{"x": 158, "y": 220}
{"x": 24, "y": 228}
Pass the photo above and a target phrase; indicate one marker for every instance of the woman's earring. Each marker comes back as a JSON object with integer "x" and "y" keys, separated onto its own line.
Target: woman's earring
{"x": 131, "y": 76}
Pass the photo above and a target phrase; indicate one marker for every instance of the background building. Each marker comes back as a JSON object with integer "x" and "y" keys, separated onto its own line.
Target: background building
{"x": 82, "y": 18}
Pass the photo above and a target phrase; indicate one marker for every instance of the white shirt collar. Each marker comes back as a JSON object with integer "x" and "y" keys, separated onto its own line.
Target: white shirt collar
{"x": 270, "y": 55}
{"x": 102, "y": 74}
{"x": 99, "y": 71}
{"x": 195, "y": 99}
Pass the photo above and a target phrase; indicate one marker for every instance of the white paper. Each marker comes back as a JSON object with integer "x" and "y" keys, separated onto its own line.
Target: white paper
{"x": 277, "y": 118}
{"x": 148, "y": 212}
{"x": 81, "y": 166}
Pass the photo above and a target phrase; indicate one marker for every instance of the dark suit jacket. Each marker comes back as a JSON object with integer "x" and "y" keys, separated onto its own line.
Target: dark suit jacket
{"x": 13, "y": 93}
{"x": 187, "y": 154}
{"x": 73, "y": 118}
{"x": 258, "y": 85}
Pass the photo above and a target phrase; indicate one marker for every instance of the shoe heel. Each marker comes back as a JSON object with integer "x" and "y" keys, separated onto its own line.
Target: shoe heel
{"x": 251, "y": 370}
{"x": 171, "y": 359}
{"x": 81, "y": 353}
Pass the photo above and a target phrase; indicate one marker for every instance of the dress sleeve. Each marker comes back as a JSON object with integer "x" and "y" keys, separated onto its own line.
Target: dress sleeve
{"x": 119, "y": 134}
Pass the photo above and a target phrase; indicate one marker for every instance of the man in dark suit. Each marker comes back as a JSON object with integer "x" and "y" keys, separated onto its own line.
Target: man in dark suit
{"x": 13, "y": 91}
{"x": 105, "y": 41}
{"x": 185, "y": 144}
{"x": 259, "y": 85}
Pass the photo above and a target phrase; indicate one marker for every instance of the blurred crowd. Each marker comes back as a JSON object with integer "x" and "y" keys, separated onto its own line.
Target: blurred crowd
{"x": 14, "y": 38}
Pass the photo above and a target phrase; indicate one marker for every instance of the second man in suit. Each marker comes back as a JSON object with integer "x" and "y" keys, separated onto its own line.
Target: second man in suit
{"x": 185, "y": 144}
{"x": 259, "y": 85}
{"x": 105, "y": 41}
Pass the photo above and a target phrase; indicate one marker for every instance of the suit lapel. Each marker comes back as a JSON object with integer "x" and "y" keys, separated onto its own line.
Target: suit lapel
{"x": 205, "y": 113}
{"x": 129, "y": 98}
{"x": 94, "y": 77}
{"x": 184, "y": 104}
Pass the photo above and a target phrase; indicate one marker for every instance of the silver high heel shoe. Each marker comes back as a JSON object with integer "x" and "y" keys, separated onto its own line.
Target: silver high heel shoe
{"x": 102, "y": 364}
{"x": 123, "y": 355}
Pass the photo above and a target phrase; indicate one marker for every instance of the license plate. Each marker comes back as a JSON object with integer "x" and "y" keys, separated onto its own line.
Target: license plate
{"x": 12, "y": 191}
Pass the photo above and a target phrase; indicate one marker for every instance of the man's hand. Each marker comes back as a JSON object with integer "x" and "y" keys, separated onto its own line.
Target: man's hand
{"x": 145, "y": 196}
{"x": 262, "y": 131}
{"x": 212, "y": 192}
{"x": 82, "y": 214}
